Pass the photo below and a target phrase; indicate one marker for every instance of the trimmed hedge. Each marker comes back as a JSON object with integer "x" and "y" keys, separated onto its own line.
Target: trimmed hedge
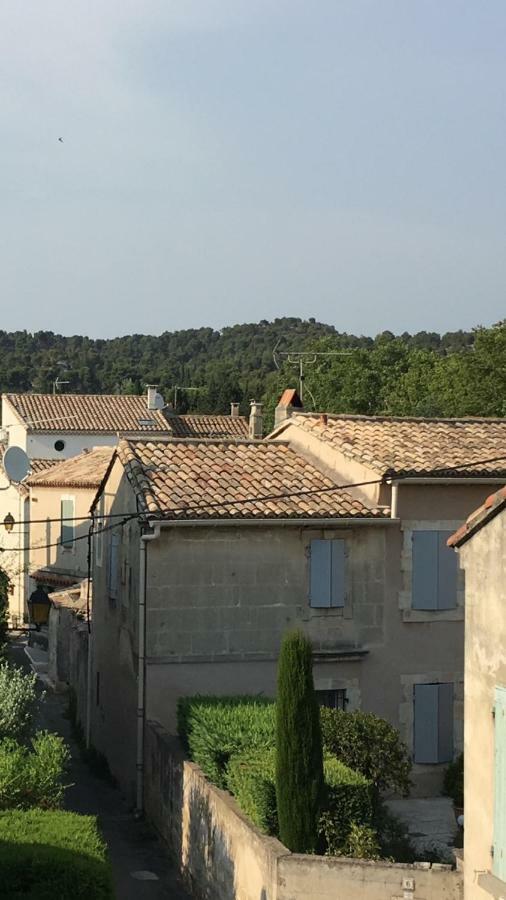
{"x": 251, "y": 778}
{"x": 213, "y": 729}
{"x": 348, "y": 795}
{"x": 348, "y": 801}
{"x": 47, "y": 854}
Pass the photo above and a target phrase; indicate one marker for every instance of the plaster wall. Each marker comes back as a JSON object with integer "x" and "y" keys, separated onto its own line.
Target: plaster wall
{"x": 45, "y": 503}
{"x": 483, "y": 558}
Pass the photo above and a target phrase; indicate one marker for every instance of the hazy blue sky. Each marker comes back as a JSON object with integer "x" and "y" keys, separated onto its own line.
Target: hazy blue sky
{"x": 231, "y": 160}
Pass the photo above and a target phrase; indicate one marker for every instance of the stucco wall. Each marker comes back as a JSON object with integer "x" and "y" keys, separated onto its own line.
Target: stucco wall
{"x": 46, "y": 506}
{"x": 224, "y": 857}
{"x": 483, "y": 557}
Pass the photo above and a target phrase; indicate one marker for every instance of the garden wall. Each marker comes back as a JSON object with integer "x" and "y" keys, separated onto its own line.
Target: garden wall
{"x": 223, "y": 857}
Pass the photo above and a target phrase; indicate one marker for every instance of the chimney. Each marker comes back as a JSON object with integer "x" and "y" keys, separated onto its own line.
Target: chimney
{"x": 234, "y": 410}
{"x": 288, "y": 403}
{"x": 256, "y": 421}
{"x": 154, "y": 399}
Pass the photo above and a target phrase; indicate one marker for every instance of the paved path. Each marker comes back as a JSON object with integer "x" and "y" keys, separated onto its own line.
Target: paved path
{"x": 133, "y": 848}
{"x": 430, "y": 822}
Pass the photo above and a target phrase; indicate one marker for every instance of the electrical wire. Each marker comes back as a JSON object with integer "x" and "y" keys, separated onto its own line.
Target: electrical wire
{"x": 160, "y": 514}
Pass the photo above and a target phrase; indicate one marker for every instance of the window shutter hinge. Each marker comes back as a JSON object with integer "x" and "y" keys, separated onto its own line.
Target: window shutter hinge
{"x": 492, "y": 850}
{"x": 493, "y": 712}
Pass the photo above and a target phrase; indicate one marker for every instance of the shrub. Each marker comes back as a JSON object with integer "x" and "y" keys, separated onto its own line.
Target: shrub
{"x": 17, "y": 702}
{"x": 213, "y": 729}
{"x": 32, "y": 776}
{"x": 299, "y": 757}
{"x": 368, "y": 745}
{"x": 453, "y": 784}
{"x": 362, "y": 842}
{"x": 4, "y": 608}
{"x": 52, "y": 854}
{"x": 348, "y": 801}
{"x": 251, "y": 778}
{"x": 393, "y": 836}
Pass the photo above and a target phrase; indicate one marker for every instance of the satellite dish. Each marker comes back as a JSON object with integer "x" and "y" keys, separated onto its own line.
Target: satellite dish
{"x": 16, "y": 464}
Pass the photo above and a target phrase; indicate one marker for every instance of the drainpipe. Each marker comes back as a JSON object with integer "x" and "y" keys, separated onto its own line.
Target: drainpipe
{"x": 395, "y": 499}
{"x": 141, "y": 667}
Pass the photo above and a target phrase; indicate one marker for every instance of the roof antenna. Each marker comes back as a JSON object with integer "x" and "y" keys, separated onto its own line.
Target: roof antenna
{"x": 302, "y": 358}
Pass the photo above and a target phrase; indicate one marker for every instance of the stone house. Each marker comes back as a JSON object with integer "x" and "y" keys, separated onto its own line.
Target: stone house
{"x": 60, "y": 498}
{"x": 481, "y": 545}
{"x": 53, "y": 427}
{"x": 194, "y": 589}
{"x": 428, "y": 472}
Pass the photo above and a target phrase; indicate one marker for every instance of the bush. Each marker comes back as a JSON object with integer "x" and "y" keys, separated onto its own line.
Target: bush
{"x": 213, "y": 729}
{"x": 368, "y": 745}
{"x": 348, "y": 801}
{"x": 46, "y": 855}
{"x": 17, "y": 702}
{"x": 299, "y": 756}
{"x": 251, "y": 778}
{"x": 362, "y": 842}
{"x": 453, "y": 784}
{"x": 32, "y": 776}
{"x": 393, "y": 836}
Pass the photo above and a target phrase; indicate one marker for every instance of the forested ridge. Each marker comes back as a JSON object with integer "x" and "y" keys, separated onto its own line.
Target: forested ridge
{"x": 426, "y": 374}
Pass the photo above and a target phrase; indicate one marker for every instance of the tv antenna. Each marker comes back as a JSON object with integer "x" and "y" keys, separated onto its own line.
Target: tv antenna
{"x": 181, "y": 387}
{"x": 57, "y": 383}
{"x": 303, "y": 358}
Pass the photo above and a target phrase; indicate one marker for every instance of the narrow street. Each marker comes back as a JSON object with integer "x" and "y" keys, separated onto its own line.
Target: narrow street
{"x": 140, "y": 863}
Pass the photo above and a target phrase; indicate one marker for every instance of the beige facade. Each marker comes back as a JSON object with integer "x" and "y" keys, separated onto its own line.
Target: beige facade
{"x": 482, "y": 549}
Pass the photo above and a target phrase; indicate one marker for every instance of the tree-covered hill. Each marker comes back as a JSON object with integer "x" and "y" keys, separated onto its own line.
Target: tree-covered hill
{"x": 458, "y": 373}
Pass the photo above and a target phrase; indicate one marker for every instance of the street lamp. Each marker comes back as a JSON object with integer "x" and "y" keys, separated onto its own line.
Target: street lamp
{"x": 9, "y": 522}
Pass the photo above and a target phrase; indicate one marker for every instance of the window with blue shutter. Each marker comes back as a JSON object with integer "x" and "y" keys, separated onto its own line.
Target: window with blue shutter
{"x": 499, "y": 860}
{"x": 327, "y": 577}
{"x": 434, "y": 578}
{"x": 67, "y": 522}
{"x": 433, "y": 723}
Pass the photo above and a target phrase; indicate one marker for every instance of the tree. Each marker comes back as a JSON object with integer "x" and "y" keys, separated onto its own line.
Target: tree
{"x": 4, "y": 607}
{"x": 299, "y": 756}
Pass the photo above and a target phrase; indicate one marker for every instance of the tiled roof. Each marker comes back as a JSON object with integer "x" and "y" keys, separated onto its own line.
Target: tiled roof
{"x": 85, "y": 470}
{"x": 493, "y": 505}
{"x": 115, "y": 413}
{"x": 190, "y": 479}
{"x": 417, "y": 447}
{"x": 41, "y": 465}
{"x": 208, "y": 426}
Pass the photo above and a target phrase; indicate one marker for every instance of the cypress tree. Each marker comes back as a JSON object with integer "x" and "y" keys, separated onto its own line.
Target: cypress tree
{"x": 299, "y": 756}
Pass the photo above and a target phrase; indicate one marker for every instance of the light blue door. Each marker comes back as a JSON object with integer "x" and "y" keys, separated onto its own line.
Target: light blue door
{"x": 499, "y": 864}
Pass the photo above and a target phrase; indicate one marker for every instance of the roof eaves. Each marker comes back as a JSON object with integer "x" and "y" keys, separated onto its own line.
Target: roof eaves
{"x": 494, "y": 504}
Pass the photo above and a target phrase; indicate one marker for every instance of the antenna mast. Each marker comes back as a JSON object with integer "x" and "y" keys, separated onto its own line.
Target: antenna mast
{"x": 302, "y": 358}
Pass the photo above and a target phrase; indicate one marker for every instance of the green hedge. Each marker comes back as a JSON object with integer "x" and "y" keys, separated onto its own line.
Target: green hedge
{"x": 52, "y": 855}
{"x": 348, "y": 801}
{"x": 369, "y": 745}
{"x": 213, "y": 729}
{"x": 33, "y": 776}
{"x": 251, "y": 778}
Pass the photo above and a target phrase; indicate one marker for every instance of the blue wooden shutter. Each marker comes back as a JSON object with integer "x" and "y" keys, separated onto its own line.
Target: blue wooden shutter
{"x": 425, "y": 736}
{"x": 433, "y": 723}
{"x": 445, "y": 722}
{"x": 425, "y": 570}
{"x": 320, "y": 574}
{"x": 499, "y": 863}
{"x": 67, "y": 526}
{"x": 337, "y": 582}
{"x": 447, "y": 573}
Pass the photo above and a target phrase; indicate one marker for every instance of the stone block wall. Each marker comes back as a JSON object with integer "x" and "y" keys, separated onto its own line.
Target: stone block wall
{"x": 222, "y": 856}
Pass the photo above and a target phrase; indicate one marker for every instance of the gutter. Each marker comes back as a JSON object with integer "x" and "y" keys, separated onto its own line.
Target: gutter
{"x": 141, "y": 668}
{"x": 294, "y": 523}
{"x": 456, "y": 480}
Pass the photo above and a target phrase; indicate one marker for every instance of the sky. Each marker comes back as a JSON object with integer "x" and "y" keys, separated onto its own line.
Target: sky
{"x": 228, "y": 161}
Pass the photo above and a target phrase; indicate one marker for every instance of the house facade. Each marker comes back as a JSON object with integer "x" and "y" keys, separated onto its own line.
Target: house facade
{"x": 225, "y": 547}
{"x": 56, "y": 427}
{"x": 481, "y": 545}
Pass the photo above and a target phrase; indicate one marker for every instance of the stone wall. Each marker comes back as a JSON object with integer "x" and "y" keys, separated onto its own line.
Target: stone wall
{"x": 222, "y": 856}
{"x": 68, "y": 656}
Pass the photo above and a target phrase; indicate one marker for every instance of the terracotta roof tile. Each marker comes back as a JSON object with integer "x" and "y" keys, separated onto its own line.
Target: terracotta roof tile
{"x": 244, "y": 476}
{"x": 493, "y": 505}
{"x": 85, "y": 470}
{"x": 116, "y": 413}
{"x": 417, "y": 447}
